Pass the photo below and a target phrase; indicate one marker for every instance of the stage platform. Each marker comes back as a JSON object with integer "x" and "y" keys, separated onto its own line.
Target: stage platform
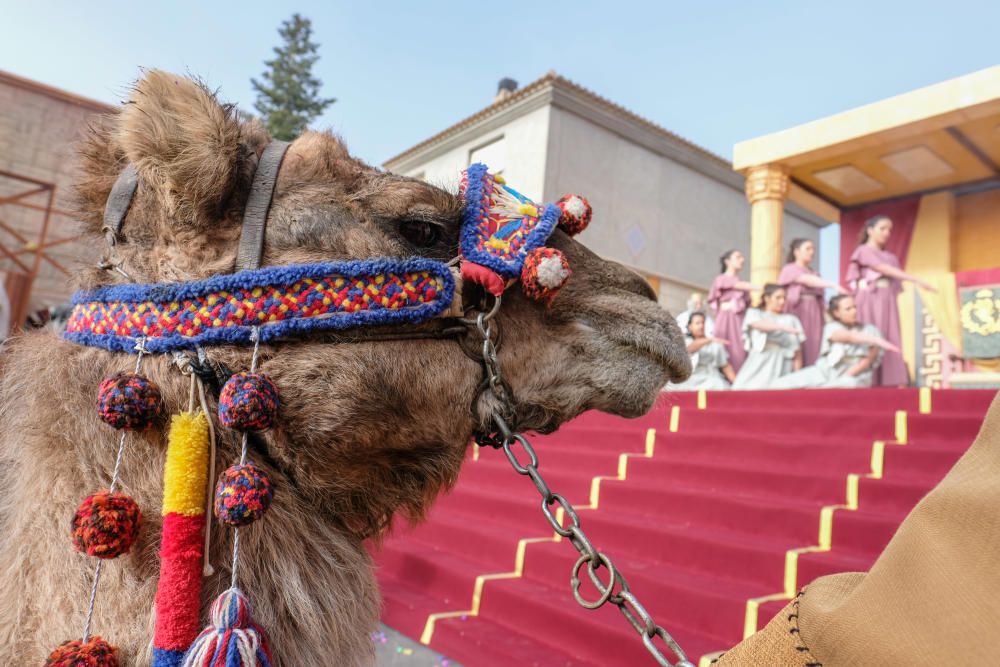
{"x": 716, "y": 507}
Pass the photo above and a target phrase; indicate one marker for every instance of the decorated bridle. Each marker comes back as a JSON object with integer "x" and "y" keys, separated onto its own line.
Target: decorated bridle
{"x": 502, "y": 242}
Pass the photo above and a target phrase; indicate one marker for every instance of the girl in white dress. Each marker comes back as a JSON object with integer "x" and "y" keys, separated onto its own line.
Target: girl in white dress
{"x": 772, "y": 340}
{"x": 709, "y": 360}
{"x": 849, "y": 354}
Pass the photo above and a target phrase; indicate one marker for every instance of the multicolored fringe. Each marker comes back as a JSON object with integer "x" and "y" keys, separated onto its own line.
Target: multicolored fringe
{"x": 501, "y": 226}
{"x": 233, "y": 639}
{"x": 279, "y": 300}
{"x": 178, "y": 595}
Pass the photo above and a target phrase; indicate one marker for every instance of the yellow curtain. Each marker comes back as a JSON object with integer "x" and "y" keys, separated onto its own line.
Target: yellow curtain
{"x": 907, "y": 317}
{"x": 943, "y": 306}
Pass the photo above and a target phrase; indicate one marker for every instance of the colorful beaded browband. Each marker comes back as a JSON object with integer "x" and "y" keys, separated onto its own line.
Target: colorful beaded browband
{"x": 502, "y": 240}
{"x": 279, "y": 301}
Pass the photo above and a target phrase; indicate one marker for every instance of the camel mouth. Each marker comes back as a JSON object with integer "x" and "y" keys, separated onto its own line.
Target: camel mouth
{"x": 667, "y": 351}
{"x": 643, "y": 330}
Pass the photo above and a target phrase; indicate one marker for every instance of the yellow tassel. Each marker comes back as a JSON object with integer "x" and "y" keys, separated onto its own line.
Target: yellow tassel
{"x": 185, "y": 473}
{"x": 528, "y": 209}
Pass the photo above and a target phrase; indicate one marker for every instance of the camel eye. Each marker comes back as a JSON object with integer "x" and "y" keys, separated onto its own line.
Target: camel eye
{"x": 420, "y": 233}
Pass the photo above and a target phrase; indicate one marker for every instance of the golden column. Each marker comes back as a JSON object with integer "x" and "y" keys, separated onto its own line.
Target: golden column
{"x": 766, "y": 188}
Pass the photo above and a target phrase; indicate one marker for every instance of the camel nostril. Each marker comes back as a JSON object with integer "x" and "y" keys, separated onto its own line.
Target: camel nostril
{"x": 626, "y": 279}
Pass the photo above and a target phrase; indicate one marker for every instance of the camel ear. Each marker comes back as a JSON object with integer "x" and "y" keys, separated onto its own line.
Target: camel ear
{"x": 183, "y": 142}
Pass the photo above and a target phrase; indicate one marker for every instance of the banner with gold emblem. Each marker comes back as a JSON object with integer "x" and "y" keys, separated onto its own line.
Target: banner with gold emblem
{"x": 980, "y": 316}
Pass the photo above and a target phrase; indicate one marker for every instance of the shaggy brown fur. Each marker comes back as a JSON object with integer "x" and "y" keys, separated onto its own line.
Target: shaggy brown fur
{"x": 366, "y": 430}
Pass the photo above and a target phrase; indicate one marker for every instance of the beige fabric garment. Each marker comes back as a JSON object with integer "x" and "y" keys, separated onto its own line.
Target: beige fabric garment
{"x": 932, "y": 598}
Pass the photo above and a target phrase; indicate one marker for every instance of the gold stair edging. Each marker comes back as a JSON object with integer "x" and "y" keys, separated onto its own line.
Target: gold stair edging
{"x": 707, "y": 659}
{"x": 825, "y": 536}
{"x": 595, "y": 489}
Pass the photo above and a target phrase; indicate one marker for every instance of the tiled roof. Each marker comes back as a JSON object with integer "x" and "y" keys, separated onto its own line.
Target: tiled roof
{"x": 553, "y": 79}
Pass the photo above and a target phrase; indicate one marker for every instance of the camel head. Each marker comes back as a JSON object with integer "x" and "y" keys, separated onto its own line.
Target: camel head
{"x": 366, "y": 428}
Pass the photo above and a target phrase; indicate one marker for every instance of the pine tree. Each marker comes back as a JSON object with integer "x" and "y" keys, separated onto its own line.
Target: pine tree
{"x": 288, "y": 94}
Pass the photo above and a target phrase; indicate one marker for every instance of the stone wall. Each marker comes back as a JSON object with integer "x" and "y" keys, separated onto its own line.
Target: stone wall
{"x": 39, "y": 126}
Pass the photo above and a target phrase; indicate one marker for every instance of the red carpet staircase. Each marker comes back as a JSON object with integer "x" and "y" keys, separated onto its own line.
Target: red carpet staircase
{"x": 715, "y": 519}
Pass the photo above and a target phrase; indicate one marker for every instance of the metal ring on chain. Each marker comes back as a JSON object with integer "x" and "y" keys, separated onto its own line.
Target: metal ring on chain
{"x": 574, "y": 580}
{"x": 581, "y": 542}
{"x": 487, "y": 316}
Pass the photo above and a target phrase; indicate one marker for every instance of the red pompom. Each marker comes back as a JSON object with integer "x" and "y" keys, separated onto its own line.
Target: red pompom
{"x": 75, "y": 653}
{"x": 242, "y": 495}
{"x": 248, "y": 402}
{"x": 576, "y": 214}
{"x": 545, "y": 271}
{"x": 106, "y": 524}
{"x": 130, "y": 401}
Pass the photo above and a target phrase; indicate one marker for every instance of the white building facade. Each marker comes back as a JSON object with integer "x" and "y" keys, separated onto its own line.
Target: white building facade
{"x": 662, "y": 205}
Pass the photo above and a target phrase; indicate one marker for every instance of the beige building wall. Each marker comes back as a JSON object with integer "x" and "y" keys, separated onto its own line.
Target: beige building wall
{"x": 650, "y": 211}
{"x": 662, "y": 205}
{"x": 515, "y": 148}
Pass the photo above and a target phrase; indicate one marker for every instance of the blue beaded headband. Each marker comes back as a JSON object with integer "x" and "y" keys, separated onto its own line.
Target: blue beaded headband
{"x": 502, "y": 239}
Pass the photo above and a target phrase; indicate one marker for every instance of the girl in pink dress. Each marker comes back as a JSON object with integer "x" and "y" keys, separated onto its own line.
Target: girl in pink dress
{"x": 876, "y": 278}
{"x": 804, "y": 295}
{"x": 730, "y": 298}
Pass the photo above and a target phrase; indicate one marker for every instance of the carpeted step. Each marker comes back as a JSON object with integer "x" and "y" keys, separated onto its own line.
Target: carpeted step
{"x": 469, "y": 640}
{"x": 761, "y": 514}
{"x": 959, "y": 430}
{"x": 607, "y": 438}
{"x": 405, "y": 606}
{"x": 742, "y": 478}
{"x": 562, "y": 454}
{"x": 741, "y": 557}
{"x": 820, "y": 564}
{"x": 864, "y": 532}
{"x": 805, "y": 450}
{"x": 478, "y": 642}
{"x": 593, "y": 419}
{"x": 698, "y": 529}
{"x": 844, "y": 399}
{"x": 519, "y": 510}
{"x": 891, "y": 495}
{"x": 492, "y": 546}
{"x": 970, "y": 401}
{"x": 597, "y": 635}
{"x": 790, "y": 423}
{"x": 768, "y": 610}
{"x": 568, "y": 480}
{"x": 676, "y": 597}
{"x": 446, "y": 577}
{"x": 920, "y": 462}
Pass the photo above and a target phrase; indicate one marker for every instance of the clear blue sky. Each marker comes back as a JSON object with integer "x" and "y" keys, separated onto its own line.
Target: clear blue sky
{"x": 714, "y": 72}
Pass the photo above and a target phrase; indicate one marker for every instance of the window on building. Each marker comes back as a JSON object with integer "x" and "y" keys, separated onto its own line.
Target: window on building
{"x": 493, "y": 154}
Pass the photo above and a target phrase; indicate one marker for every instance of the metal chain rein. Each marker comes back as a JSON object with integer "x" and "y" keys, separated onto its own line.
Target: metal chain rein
{"x": 503, "y": 437}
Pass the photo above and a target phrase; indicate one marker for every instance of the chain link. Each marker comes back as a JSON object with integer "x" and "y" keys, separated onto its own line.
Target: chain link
{"x": 524, "y": 460}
